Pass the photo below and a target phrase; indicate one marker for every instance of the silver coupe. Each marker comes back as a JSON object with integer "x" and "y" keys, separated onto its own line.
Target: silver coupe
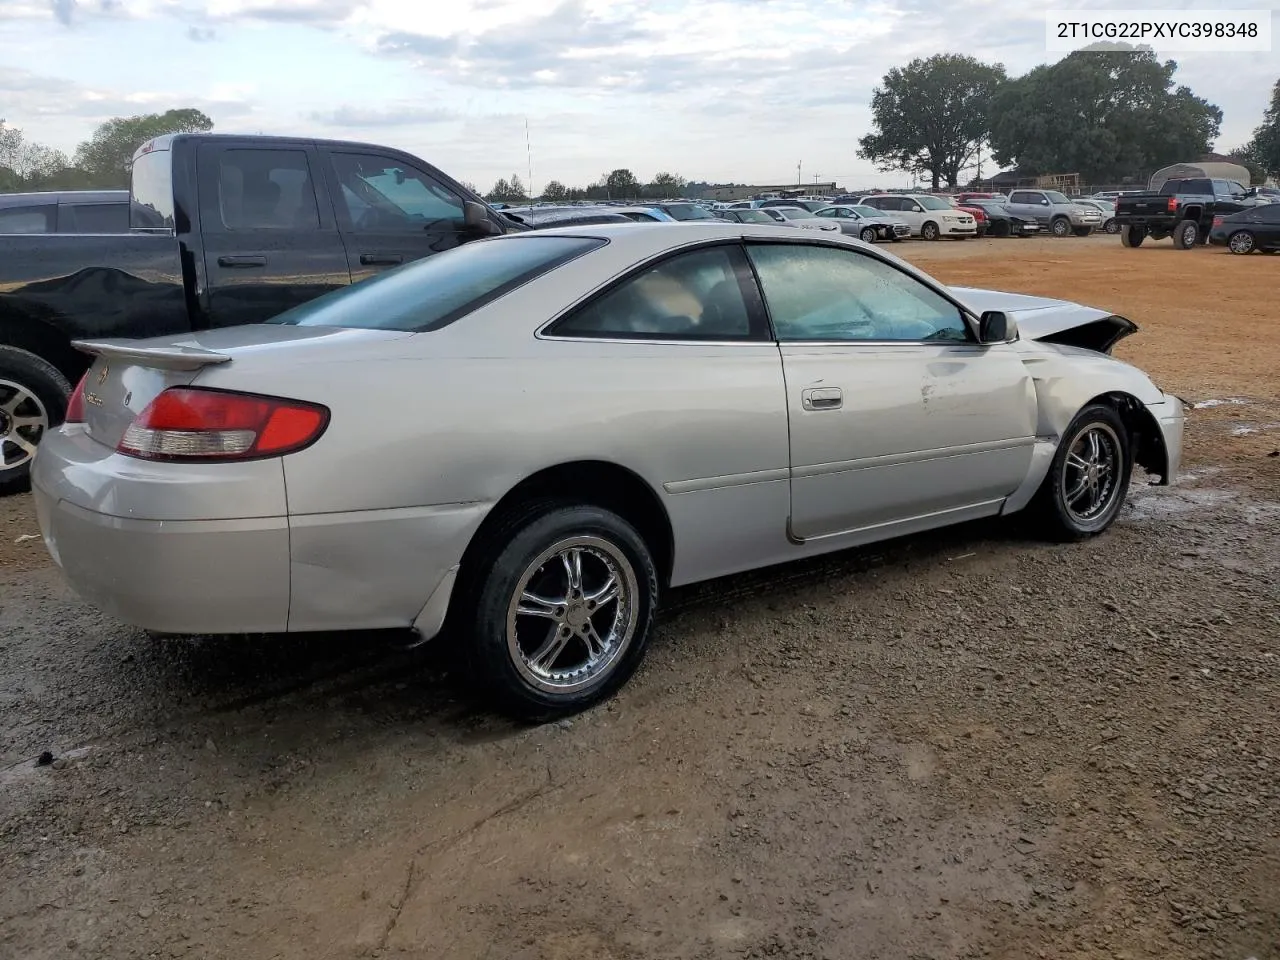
{"x": 524, "y": 441}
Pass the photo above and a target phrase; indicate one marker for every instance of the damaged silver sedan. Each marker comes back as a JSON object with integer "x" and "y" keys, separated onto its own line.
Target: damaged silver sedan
{"x": 529, "y": 438}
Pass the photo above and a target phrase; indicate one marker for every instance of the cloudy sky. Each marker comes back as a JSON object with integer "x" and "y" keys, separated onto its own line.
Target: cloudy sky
{"x": 740, "y": 90}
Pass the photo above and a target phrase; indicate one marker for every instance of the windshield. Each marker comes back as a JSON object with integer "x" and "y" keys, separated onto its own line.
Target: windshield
{"x": 754, "y": 216}
{"x": 862, "y": 211}
{"x": 1056, "y": 197}
{"x": 687, "y": 211}
{"x": 796, "y": 213}
{"x": 933, "y": 203}
{"x": 428, "y": 294}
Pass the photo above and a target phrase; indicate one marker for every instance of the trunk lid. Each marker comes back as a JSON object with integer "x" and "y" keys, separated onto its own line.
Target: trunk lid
{"x": 126, "y": 375}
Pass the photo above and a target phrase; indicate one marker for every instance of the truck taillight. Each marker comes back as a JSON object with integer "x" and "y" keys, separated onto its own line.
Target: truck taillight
{"x": 75, "y": 406}
{"x": 1173, "y": 204}
{"x": 194, "y": 423}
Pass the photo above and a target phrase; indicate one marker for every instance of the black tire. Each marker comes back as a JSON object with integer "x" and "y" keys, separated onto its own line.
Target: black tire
{"x": 895, "y": 238}
{"x": 501, "y": 564}
{"x": 1131, "y": 236}
{"x": 1053, "y": 504}
{"x": 1061, "y": 227}
{"x": 930, "y": 231}
{"x": 868, "y": 235}
{"x": 1082, "y": 231}
{"x": 1186, "y": 234}
{"x": 1242, "y": 243}
{"x": 1111, "y": 226}
{"x": 33, "y": 399}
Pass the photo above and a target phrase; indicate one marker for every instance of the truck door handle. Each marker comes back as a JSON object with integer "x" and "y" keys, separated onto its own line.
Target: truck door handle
{"x": 822, "y": 398}
{"x": 242, "y": 261}
{"x": 380, "y": 259}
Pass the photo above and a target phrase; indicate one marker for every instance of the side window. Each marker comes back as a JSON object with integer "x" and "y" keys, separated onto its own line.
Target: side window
{"x": 827, "y": 293}
{"x": 692, "y": 296}
{"x": 27, "y": 220}
{"x": 1221, "y": 189}
{"x": 1269, "y": 213}
{"x": 93, "y": 218}
{"x": 266, "y": 190}
{"x": 383, "y": 193}
{"x": 890, "y": 203}
{"x": 1233, "y": 188}
{"x": 1018, "y": 196}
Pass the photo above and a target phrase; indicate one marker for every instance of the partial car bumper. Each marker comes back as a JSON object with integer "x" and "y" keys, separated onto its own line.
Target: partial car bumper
{"x": 1170, "y": 417}
{"x": 168, "y": 547}
{"x": 960, "y": 229}
{"x": 1218, "y": 236}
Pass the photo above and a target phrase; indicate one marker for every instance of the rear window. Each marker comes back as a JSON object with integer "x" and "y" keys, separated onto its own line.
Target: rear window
{"x": 687, "y": 211}
{"x": 1172, "y": 187}
{"x": 151, "y": 204}
{"x": 429, "y": 294}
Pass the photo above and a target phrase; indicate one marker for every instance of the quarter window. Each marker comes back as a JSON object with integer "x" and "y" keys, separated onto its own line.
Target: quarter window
{"x": 827, "y": 293}
{"x": 381, "y": 193}
{"x": 692, "y": 296}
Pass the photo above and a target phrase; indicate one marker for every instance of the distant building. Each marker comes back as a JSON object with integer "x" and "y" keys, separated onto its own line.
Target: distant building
{"x": 1214, "y": 169}
{"x": 748, "y": 191}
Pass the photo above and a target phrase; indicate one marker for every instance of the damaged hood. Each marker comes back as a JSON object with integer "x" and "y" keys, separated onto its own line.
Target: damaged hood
{"x": 1054, "y": 321}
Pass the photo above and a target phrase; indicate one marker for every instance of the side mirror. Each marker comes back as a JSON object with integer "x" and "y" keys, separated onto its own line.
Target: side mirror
{"x": 995, "y": 326}
{"x": 477, "y": 220}
{"x": 1044, "y": 202}
{"x": 916, "y": 208}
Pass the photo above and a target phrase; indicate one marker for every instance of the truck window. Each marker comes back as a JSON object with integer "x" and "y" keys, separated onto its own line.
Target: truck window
{"x": 266, "y": 190}
{"x": 1022, "y": 196}
{"x": 1172, "y": 187}
{"x": 1056, "y": 197}
{"x": 27, "y": 220}
{"x": 151, "y": 201}
{"x": 382, "y": 193}
{"x": 93, "y": 218}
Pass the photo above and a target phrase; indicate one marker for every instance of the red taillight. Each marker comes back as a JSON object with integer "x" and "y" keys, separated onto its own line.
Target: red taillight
{"x": 186, "y": 423}
{"x": 1173, "y": 204}
{"x": 1217, "y": 221}
{"x": 75, "y": 406}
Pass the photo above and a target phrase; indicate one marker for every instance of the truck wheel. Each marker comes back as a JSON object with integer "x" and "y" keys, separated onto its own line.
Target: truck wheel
{"x": 1186, "y": 234}
{"x": 33, "y": 399}
{"x": 1132, "y": 236}
{"x": 1060, "y": 227}
{"x": 929, "y": 231}
{"x": 1240, "y": 242}
{"x": 1082, "y": 231}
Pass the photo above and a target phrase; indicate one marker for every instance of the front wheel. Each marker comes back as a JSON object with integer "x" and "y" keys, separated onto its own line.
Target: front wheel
{"x": 1060, "y": 227}
{"x": 929, "y": 231}
{"x": 1241, "y": 242}
{"x": 560, "y": 608}
{"x": 868, "y": 235}
{"x": 33, "y": 400}
{"x": 1089, "y": 476}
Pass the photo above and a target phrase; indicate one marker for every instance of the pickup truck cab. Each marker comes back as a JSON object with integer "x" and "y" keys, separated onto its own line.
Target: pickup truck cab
{"x": 225, "y": 230}
{"x": 1054, "y": 212}
{"x": 1182, "y": 208}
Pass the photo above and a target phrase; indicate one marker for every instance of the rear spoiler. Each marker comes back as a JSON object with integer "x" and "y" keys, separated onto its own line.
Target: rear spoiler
{"x": 165, "y": 358}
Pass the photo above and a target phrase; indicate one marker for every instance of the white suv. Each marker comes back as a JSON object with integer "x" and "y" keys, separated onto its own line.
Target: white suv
{"x": 929, "y": 217}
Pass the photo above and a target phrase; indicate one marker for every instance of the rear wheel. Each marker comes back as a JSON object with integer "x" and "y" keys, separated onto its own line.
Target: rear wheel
{"x": 868, "y": 235}
{"x": 33, "y": 399}
{"x": 1186, "y": 234}
{"x": 1241, "y": 242}
{"x": 929, "y": 231}
{"x": 1131, "y": 236}
{"x": 559, "y": 608}
{"x": 1089, "y": 476}
{"x": 1111, "y": 226}
{"x": 1082, "y": 231}
{"x": 1060, "y": 227}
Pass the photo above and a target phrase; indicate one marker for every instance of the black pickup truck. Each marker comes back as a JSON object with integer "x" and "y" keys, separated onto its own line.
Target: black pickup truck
{"x": 1183, "y": 209}
{"x": 225, "y": 230}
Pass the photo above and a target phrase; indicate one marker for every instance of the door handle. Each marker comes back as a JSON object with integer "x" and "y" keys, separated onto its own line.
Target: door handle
{"x": 380, "y": 259}
{"x": 242, "y": 261}
{"x": 822, "y": 398}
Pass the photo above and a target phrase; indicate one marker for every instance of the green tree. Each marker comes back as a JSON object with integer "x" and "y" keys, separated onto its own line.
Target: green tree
{"x": 555, "y": 191}
{"x": 517, "y": 189}
{"x": 932, "y": 116}
{"x": 501, "y": 191}
{"x": 621, "y": 184}
{"x": 1243, "y": 156}
{"x": 1105, "y": 115}
{"x": 108, "y": 154}
{"x": 1264, "y": 149}
{"x": 666, "y": 185}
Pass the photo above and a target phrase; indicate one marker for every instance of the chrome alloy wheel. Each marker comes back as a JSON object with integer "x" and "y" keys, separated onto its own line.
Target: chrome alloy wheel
{"x": 1091, "y": 474}
{"x": 23, "y": 421}
{"x": 1241, "y": 242}
{"x": 573, "y": 614}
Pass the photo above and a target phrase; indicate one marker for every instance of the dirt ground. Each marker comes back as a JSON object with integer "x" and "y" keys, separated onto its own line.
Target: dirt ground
{"x": 964, "y": 745}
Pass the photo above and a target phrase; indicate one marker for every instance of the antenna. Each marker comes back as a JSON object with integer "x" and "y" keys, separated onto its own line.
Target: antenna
{"x": 528, "y": 147}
